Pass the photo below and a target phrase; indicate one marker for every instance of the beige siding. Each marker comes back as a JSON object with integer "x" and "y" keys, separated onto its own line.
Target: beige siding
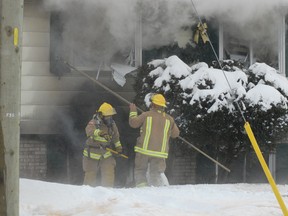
{"x": 36, "y": 24}
{"x": 35, "y": 61}
{"x": 32, "y": 9}
{"x": 35, "y": 69}
{"x": 36, "y": 39}
{"x": 35, "y": 54}
{"x": 49, "y": 98}
{"x": 43, "y": 112}
{"x": 43, "y": 95}
{"x": 48, "y": 83}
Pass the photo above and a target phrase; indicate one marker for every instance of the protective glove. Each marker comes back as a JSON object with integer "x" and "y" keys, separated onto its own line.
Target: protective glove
{"x": 104, "y": 134}
{"x": 119, "y": 149}
{"x": 132, "y": 107}
{"x": 106, "y": 137}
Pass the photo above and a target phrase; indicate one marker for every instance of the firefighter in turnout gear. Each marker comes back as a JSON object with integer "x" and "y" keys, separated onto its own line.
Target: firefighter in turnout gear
{"x": 156, "y": 127}
{"x": 101, "y": 132}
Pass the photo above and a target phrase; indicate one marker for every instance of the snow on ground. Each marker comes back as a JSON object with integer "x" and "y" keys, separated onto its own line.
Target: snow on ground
{"x": 53, "y": 199}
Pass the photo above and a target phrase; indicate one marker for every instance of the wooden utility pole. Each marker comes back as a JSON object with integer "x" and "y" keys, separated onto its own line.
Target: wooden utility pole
{"x": 10, "y": 67}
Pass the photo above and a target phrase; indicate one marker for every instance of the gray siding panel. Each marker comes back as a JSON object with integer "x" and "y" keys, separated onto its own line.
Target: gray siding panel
{"x": 34, "y": 10}
{"x": 51, "y": 83}
{"x": 36, "y": 39}
{"x": 35, "y": 62}
{"x": 36, "y": 24}
{"x": 35, "y": 54}
{"x": 35, "y": 68}
{"x": 40, "y": 112}
{"x": 43, "y": 94}
{"x": 38, "y": 127}
{"x": 49, "y": 98}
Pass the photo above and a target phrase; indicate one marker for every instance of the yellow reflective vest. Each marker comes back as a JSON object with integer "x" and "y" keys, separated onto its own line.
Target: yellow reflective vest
{"x": 156, "y": 128}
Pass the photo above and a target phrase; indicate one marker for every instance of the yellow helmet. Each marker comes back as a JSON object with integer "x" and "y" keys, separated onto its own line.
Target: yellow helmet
{"x": 159, "y": 100}
{"x": 106, "y": 109}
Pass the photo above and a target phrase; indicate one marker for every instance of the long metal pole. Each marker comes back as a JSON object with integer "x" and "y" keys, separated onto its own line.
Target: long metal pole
{"x": 126, "y": 101}
{"x": 10, "y": 67}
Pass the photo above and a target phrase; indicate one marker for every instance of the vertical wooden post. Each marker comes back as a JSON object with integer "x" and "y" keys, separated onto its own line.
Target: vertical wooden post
{"x": 10, "y": 67}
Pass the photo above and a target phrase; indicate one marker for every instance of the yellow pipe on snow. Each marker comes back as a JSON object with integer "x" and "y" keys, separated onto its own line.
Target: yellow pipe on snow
{"x": 265, "y": 168}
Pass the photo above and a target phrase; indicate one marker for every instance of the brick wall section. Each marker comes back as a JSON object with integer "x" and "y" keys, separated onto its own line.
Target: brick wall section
{"x": 33, "y": 158}
{"x": 182, "y": 168}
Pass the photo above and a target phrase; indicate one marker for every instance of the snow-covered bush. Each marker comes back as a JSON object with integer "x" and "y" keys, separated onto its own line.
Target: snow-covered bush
{"x": 210, "y": 105}
{"x": 266, "y": 104}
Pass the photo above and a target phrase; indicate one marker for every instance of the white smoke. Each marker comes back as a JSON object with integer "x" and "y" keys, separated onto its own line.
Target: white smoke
{"x": 251, "y": 19}
{"x": 100, "y": 29}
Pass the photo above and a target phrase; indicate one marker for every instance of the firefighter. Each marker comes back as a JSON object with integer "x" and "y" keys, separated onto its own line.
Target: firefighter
{"x": 102, "y": 132}
{"x": 153, "y": 143}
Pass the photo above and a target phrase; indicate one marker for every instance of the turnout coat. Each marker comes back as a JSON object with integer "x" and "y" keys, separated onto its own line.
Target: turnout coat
{"x": 96, "y": 145}
{"x": 156, "y": 129}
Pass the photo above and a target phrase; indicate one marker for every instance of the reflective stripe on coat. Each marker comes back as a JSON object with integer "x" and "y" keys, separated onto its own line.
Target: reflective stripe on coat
{"x": 95, "y": 144}
{"x": 156, "y": 129}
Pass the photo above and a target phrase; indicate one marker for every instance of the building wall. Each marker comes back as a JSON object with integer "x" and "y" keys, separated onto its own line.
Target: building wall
{"x": 32, "y": 162}
{"x": 181, "y": 165}
{"x": 46, "y": 99}
{"x": 53, "y": 106}
{"x": 35, "y": 64}
{"x": 43, "y": 94}
{"x": 184, "y": 170}
{"x": 282, "y": 163}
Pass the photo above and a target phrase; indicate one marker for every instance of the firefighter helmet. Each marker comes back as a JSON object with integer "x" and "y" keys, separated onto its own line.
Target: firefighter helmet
{"x": 106, "y": 109}
{"x": 159, "y": 100}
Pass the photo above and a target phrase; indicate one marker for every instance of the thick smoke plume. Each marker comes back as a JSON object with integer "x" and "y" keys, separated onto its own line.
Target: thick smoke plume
{"x": 101, "y": 29}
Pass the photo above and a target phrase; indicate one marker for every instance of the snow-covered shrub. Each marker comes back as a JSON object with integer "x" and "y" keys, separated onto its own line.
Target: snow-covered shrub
{"x": 210, "y": 105}
{"x": 228, "y": 65}
{"x": 266, "y": 104}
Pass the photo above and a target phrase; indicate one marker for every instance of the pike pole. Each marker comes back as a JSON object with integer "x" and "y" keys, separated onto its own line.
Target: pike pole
{"x": 117, "y": 153}
{"x": 128, "y": 102}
